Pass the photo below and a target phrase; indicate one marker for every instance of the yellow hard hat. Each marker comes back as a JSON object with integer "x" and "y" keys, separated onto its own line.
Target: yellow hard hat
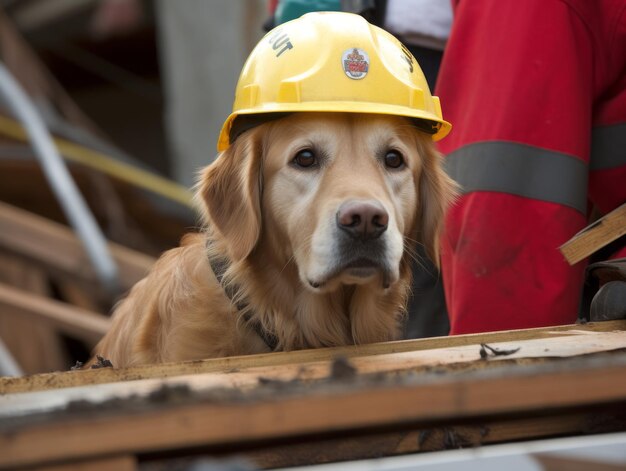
{"x": 331, "y": 61}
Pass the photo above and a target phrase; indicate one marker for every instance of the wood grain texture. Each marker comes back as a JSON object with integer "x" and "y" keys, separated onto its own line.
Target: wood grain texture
{"x": 415, "y": 441}
{"x": 118, "y": 463}
{"x": 271, "y": 412}
{"x": 231, "y": 364}
{"x": 55, "y": 247}
{"x": 595, "y": 236}
{"x": 63, "y": 317}
{"x": 554, "y": 462}
{"x": 36, "y": 346}
{"x": 441, "y": 361}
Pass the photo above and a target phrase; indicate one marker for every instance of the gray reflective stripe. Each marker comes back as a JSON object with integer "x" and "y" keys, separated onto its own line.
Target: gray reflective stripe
{"x": 521, "y": 170}
{"x": 608, "y": 147}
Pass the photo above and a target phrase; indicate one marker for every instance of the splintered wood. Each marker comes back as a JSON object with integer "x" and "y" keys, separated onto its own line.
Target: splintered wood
{"x": 327, "y": 404}
{"x": 595, "y": 236}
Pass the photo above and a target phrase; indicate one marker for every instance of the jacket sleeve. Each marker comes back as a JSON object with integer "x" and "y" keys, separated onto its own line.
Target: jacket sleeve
{"x": 517, "y": 82}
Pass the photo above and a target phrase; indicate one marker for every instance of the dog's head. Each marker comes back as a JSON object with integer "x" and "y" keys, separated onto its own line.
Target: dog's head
{"x": 344, "y": 196}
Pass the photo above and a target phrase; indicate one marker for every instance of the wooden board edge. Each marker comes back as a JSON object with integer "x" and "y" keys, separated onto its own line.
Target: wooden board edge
{"x": 67, "y": 379}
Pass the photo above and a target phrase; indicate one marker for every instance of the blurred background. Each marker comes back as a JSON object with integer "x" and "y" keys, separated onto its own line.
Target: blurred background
{"x": 142, "y": 60}
{"x": 133, "y": 93}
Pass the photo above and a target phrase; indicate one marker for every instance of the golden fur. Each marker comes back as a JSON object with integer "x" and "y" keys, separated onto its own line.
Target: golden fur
{"x": 274, "y": 224}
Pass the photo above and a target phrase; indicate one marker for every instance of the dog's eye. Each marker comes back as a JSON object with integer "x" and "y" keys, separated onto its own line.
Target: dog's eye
{"x": 305, "y": 158}
{"x": 394, "y": 159}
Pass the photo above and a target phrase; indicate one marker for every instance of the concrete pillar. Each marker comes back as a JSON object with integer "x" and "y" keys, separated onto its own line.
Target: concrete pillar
{"x": 203, "y": 45}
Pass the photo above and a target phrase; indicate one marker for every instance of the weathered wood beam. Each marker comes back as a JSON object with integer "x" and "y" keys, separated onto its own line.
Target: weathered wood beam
{"x": 55, "y": 247}
{"x": 444, "y": 437}
{"x": 179, "y": 419}
{"x": 444, "y": 360}
{"x": 117, "y": 463}
{"x": 83, "y": 324}
{"x": 108, "y": 375}
{"x": 35, "y": 346}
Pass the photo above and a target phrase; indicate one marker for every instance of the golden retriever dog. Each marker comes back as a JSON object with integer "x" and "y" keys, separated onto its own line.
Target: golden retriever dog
{"x": 310, "y": 224}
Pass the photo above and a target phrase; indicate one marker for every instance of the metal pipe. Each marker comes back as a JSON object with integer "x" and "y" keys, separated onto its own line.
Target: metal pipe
{"x": 59, "y": 178}
{"x": 8, "y": 365}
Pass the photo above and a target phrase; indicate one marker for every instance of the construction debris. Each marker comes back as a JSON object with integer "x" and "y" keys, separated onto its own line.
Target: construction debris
{"x": 486, "y": 351}
{"x": 284, "y": 409}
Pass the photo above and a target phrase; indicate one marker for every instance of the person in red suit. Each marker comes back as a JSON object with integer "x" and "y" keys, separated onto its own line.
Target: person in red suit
{"x": 536, "y": 91}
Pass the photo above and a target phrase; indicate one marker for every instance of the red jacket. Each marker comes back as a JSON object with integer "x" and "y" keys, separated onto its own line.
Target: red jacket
{"x": 536, "y": 92}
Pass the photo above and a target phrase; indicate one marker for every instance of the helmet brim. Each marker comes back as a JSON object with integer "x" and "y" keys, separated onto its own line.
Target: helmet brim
{"x": 440, "y": 127}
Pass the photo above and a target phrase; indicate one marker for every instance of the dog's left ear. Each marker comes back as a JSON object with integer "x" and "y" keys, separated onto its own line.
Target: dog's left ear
{"x": 229, "y": 190}
{"x": 436, "y": 192}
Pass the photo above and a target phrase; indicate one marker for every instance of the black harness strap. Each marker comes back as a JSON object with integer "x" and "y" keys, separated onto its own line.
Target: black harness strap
{"x": 219, "y": 268}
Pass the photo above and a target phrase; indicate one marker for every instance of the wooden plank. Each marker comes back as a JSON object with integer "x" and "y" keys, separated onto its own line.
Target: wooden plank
{"x": 465, "y": 358}
{"x": 167, "y": 370}
{"x": 595, "y": 236}
{"x": 451, "y": 436}
{"x": 55, "y": 247}
{"x": 117, "y": 463}
{"x": 168, "y": 422}
{"x": 556, "y": 462}
{"x": 35, "y": 345}
{"x": 72, "y": 293}
{"x": 83, "y": 324}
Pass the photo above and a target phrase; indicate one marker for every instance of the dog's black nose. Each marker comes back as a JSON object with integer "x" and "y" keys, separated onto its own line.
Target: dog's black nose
{"x": 362, "y": 219}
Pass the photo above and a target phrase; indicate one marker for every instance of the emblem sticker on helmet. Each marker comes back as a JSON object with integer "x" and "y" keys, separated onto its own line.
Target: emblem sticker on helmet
{"x": 356, "y": 63}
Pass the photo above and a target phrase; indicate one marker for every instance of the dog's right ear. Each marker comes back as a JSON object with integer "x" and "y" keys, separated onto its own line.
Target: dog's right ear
{"x": 437, "y": 191}
{"x": 229, "y": 191}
